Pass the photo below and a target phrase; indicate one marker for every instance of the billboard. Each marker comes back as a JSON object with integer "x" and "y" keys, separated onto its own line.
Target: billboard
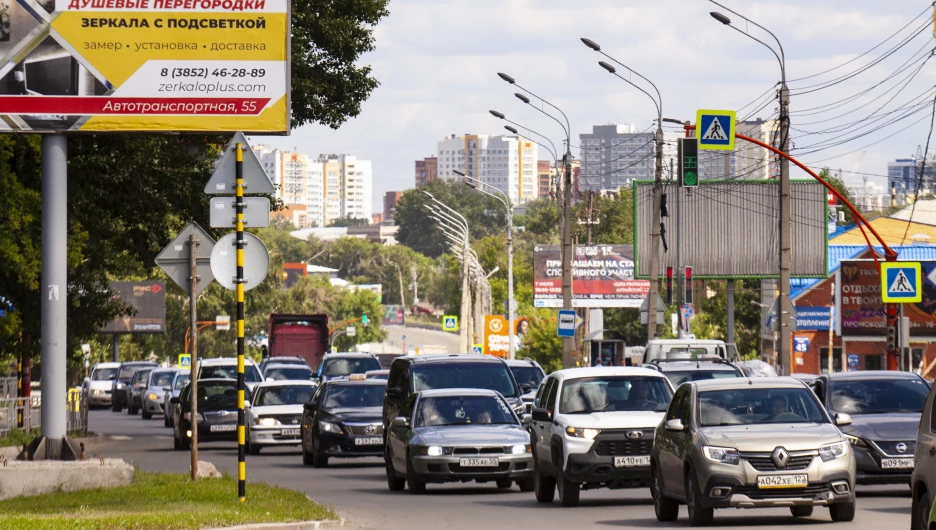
{"x": 602, "y": 276}
{"x": 861, "y": 313}
{"x": 148, "y": 299}
{"x": 729, "y": 229}
{"x": 496, "y": 336}
{"x": 144, "y": 65}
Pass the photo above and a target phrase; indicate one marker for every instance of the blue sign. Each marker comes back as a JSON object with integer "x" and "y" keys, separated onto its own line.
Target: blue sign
{"x": 801, "y": 344}
{"x": 813, "y": 318}
{"x": 852, "y": 362}
{"x": 901, "y": 282}
{"x": 477, "y": 348}
{"x": 715, "y": 129}
{"x": 566, "y": 326}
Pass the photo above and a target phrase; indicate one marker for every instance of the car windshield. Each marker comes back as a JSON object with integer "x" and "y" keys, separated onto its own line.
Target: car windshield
{"x": 141, "y": 376}
{"x": 467, "y": 410}
{"x": 283, "y": 395}
{"x": 353, "y": 396}
{"x": 214, "y": 396}
{"x": 686, "y": 351}
{"x": 103, "y": 374}
{"x": 287, "y": 360}
{"x": 229, "y": 371}
{"x": 127, "y": 372}
{"x": 752, "y": 406}
{"x": 347, "y": 366}
{"x": 485, "y": 375}
{"x": 614, "y": 393}
{"x": 161, "y": 379}
{"x": 282, "y": 373}
{"x": 878, "y": 396}
{"x": 679, "y": 377}
{"x": 180, "y": 381}
{"x": 527, "y": 375}
{"x": 382, "y": 375}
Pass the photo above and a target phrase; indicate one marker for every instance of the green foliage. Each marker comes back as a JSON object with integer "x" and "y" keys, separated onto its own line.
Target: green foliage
{"x": 541, "y": 343}
{"x": 350, "y": 221}
{"x": 711, "y": 322}
{"x": 843, "y": 190}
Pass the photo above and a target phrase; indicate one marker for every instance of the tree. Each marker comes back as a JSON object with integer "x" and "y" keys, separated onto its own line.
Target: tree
{"x": 843, "y": 191}
{"x": 349, "y": 221}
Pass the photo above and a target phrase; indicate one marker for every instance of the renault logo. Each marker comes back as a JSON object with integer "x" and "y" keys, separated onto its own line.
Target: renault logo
{"x": 635, "y": 435}
{"x": 780, "y": 457}
{"x": 901, "y": 447}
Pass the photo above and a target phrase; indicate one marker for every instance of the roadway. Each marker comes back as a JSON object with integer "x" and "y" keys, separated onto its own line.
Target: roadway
{"x": 357, "y": 489}
{"x": 428, "y": 340}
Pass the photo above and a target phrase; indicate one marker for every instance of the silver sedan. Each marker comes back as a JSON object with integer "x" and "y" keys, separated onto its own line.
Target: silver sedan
{"x": 458, "y": 435}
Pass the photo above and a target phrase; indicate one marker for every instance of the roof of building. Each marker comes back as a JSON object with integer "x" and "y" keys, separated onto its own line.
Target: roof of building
{"x": 894, "y": 231}
{"x": 924, "y": 213}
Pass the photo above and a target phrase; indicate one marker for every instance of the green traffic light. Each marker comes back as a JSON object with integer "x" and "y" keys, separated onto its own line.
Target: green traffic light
{"x": 364, "y": 319}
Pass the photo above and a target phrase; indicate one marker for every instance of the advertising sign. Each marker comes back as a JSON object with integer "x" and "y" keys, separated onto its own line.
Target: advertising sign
{"x": 801, "y": 344}
{"x": 148, "y": 300}
{"x": 394, "y": 315}
{"x": 812, "y": 318}
{"x": 861, "y": 309}
{"x": 496, "y": 336}
{"x": 144, "y": 65}
{"x": 602, "y": 276}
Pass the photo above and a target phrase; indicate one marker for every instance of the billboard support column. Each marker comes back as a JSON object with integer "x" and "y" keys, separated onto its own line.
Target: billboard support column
{"x": 193, "y": 369}
{"x": 732, "y": 348}
{"x": 115, "y": 348}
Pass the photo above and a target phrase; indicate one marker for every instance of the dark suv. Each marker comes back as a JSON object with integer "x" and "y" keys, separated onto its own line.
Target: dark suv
{"x": 120, "y": 391}
{"x": 337, "y": 365}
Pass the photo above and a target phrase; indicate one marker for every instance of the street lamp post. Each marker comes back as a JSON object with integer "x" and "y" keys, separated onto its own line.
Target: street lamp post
{"x": 465, "y": 313}
{"x": 786, "y": 241}
{"x": 655, "y": 228}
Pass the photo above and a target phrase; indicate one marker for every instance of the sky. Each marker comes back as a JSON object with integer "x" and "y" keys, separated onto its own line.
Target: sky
{"x": 437, "y": 64}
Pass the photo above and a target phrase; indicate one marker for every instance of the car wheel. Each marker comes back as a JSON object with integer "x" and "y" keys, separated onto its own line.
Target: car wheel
{"x": 845, "y": 512}
{"x": 415, "y": 485}
{"x": 307, "y": 459}
{"x": 318, "y": 459}
{"x": 115, "y": 406}
{"x": 166, "y": 422}
{"x": 176, "y": 442}
{"x": 801, "y": 511}
{"x": 698, "y": 515}
{"x": 252, "y": 449}
{"x": 919, "y": 514}
{"x": 147, "y": 415}
{"x": 545, "y": 487}
{"x": 504, "y": 483}
{"x": 527, "y": 485}
{"x": 394, "y": 482}
{"x": 666, "y": 509}
{"x": 569, "y": 492}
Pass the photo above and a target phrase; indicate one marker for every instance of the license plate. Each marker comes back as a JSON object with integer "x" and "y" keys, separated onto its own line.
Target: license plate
{"x": 223, "y": 428}
{"x": 896, "y": 463}
{"x": 289, "y": 432}
{"x": 373, "y": 440}
{"x": 632, "y": 461}
{"x": 782, "y": 481}
{"x": 479, "y": 462}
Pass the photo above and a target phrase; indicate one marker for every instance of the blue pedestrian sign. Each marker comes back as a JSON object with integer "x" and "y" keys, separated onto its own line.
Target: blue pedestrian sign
{"x": 185, "y": 361}
{"x": 477, "y": 348}
{"x": 449, "y": 323}
{"x": 801, "y": 344}
{"x": 715, "y": 129}
{"x": 566, "y": 327}
{"x": 901, "y": 282}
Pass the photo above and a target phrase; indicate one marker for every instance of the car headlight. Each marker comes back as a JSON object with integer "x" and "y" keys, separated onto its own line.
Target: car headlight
{"x": 856, "y": 441}
{"x": 330, "y": 427}
{"x": 152, "y": 397}
{"x": 832, "y": 451}
{"x": 269, "y": 422}
{"x": 520, "y": 449}
{"x": 120, "y": 385}
{"x": 722, "y": 455}
{"x": 96, "y": 392}
{"x": 588, "y": 434}
{"x": 434, "y": 450}
{"x": 187, "y": 416}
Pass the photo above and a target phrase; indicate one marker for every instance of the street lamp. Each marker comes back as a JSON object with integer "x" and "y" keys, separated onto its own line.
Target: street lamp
{"x": 655, "y": 235}
{"x": 459, "y": 221}
{"x": 552, "y": 151}
{"x": 786, "y": 244}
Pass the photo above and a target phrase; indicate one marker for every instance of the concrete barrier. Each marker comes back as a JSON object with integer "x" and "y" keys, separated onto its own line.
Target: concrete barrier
{"x": 20, "y": 478}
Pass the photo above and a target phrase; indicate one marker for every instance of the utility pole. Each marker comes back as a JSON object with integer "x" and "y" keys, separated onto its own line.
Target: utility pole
{"x": 655, "y": 234}
{"x": 193, "y": 316}
{"x": 832, "y": 327}
{"x": 568, "y": 343}
{"x": 465, "y": 314}
{"x": 785, "y": 229}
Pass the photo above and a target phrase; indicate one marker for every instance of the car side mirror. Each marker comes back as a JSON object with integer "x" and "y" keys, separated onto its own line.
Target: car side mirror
{"x": 167, "y": 389}
{"x": 525, "y": 389}
{"x": 526, "y": 419}
{"x": 395, "y": 391}
{"x": 309, "y": 407}
{"x": 541, "y": 414}
{"x": 173, "y": 401}
{"x": 400, "y": 421}
{"x": 675, "y": 425}
{"x": 842, "y": 419}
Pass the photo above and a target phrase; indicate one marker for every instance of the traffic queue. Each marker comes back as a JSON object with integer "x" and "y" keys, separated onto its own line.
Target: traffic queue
{"x": 695, "y": 430}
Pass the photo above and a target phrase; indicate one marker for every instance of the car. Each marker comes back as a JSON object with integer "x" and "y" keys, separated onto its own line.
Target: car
{"x": 412, "y": 374}
{"x": 805, "y": 378}
{"x": 594, "y": 427}
{"x": 217, "y": 413}
{"x": 679, "y": 370}
{"x": 458, "y": 435}
{"x": 120, "y": 396}
{"x": 296, "y": 361}
{"x": 343, "y": 421}
{"x": 377, "y": 374}
{"x": 750, "y": 443}
{"x": 153, "y": 396}
{"x": 171, "y": 391}
{"x": 885, "y": 408}
{"x": 386, "y": 359}
{"x": 344, "y": 364}
{"x": 757, "y": 368}
{"x": 287, "y": 372}
{"x": 923, "y": 478}
{"x": 275, "y": 413}
{"x": 529, "y": 374}
{"x": 226, "y": 368}
{"x": 135, "y": 388}
{"x": 99, "y": 384}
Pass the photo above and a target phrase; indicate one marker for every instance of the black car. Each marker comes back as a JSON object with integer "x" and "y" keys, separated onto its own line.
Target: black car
{"x": 679, "y": 371}
{"x": 343, "y": 420}
{"x": 120, "y": 391}
{"x": 885, "y": 407}
{"x": 135, "y": 389}
{"x": 217, "y": 412}
{"x": 335, "y": 365}
{"x": 529, "y": 374}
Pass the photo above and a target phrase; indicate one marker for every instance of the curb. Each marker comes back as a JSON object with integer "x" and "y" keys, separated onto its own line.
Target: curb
{"x": 303, "y": 525}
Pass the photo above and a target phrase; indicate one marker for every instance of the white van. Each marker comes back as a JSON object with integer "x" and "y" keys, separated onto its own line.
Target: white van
{"x": 684, "y": 348}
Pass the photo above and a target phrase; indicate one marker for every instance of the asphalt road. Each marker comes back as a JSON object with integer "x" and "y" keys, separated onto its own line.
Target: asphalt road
{"x": 357, "y": 489}
{"x": 430, "y": 341}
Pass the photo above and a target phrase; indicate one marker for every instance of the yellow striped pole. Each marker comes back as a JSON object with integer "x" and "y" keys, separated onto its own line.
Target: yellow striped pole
{"x": 239, "y": 208}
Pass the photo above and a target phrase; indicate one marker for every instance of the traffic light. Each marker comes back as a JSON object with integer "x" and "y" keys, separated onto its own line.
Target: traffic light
{"x": 364, "y": 319}
{"x": 689, "y": 162}
{"x": 669, "y": 286}
{"x": 891, "y": 338}
{"x": 688, "y": 285}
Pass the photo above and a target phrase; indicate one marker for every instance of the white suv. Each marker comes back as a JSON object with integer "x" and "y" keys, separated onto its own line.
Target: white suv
{"x": 594, "y": 427}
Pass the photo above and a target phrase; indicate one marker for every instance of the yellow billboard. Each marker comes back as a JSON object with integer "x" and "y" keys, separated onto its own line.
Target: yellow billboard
{"x": 496, "y": 336}
{"x": 144, "y": 65}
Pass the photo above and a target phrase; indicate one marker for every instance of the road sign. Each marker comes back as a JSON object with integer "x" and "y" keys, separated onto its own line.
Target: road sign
{"x": 175, "y": 259}
{"x": 256, "y": 181}
{"x": 477, "y": 348}
{"x": 256, "y": 212}
{"x": 852, "y": 362}
{"x": 566, "y": 326}
{"x": 185, "y": 361}
{"x": 350, "y": 331}
{"x": 645, "y": 308}
{"x": 224, "y": 261}
{"x": 901, "y": 282}
{"x": 449, "y": 323}
{"x": 715, "y": 129}
{"x": 801, "y": 344}
{"x": 223, "y": 323}
{"x": 689, "y": 162}
{"x": 688, "y": 311}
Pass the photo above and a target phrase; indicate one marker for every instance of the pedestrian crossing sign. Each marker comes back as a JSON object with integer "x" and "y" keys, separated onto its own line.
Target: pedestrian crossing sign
{"x": 901, "y": 282}
{"x": 449, "y": 323}
{"x": 185, "y": 361}
{"x": 715, "y": 129}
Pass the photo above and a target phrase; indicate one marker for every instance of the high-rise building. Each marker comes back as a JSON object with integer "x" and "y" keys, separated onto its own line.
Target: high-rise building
{"x": 390, "y": 200}
{"x": 508, "y": 163}
{"x": 903, "y": 175}
{"x": 550, "y": 178}
{"x": 755, "y": 162}
{"x": 427, "y": 170}
{"x": 348, "y": 187}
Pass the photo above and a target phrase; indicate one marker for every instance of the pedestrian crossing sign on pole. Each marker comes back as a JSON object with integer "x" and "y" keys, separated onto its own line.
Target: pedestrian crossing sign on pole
{"x": 185, "y": 361}
{"x": 901, "y": 282}
{"x": 449, "y": 323}
{"x": 715, "y": 129}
